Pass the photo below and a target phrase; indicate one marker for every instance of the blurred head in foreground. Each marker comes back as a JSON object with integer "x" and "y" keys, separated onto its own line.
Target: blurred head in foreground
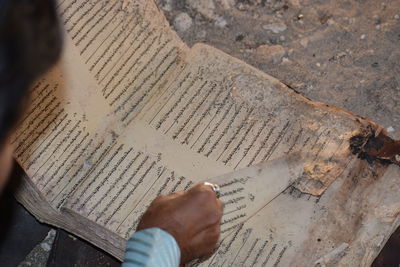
{"x": 30, "y": 43}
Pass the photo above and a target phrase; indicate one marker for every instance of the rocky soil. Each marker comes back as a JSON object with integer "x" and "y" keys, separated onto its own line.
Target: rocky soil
{"x": 342, "y": 52}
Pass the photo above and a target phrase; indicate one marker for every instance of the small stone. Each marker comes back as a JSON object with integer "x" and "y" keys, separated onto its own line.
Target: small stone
{"x": 272, "y": 53}
{"x": 242, "y": 7}
{"x": 183, "y": 22}
{"x": 275, "y": 27}
{"x": 167, "y": 6}
{"x": 45, "y": 246}
{"x": 330, "y": 22}
{"x": 304, "y": 42}
{"x": 226, "y": 4}
{"x": 285, "y": 60}
{"x": 390, "y": 129}
{"x": 220, "y": 22}
{"x": 397, "y": 157}
{"x": 396, "y": 17}
{"x": 349, "y": 51}
{"x": 300, "y": 16}
{"x": 362, "y": 37}
{"x": 318, "y": 64}
{"x": 282, "y": 38}
{"x": 341, "y": 54}
{"x": 72, "y": 237}
{"x": 204, "y": 7}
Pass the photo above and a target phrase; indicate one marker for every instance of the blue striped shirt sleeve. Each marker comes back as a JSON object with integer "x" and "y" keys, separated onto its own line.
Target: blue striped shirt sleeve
{"x": 152, "y": 247}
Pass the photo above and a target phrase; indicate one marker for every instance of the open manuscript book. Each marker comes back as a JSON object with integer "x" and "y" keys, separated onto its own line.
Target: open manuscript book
{"x": 131, "y": 112}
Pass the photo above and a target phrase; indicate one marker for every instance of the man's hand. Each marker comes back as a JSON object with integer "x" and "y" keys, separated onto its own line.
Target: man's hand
{"x": 193, "y": 218}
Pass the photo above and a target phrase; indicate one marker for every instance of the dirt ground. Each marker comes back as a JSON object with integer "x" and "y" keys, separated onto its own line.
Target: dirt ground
{"x": 342, "y": 52}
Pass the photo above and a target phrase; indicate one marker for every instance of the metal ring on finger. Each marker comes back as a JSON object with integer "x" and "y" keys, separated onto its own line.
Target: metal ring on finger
{"x": 215, "y": 188}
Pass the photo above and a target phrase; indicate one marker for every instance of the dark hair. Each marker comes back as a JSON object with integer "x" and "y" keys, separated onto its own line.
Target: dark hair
{"x": 30, "y": 43}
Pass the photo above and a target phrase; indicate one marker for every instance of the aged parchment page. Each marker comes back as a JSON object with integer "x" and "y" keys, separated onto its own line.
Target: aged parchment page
{"x": 131, "y": 113}
{"x": 113, "y": 61}
{"x": 346, "y": 226}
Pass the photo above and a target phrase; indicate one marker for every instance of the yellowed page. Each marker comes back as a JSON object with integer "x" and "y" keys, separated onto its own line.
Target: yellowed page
{"x": 247, "y": 191}
{"x": 203, "y": 124}
{"x": 114, "y": 60}
{"x": 220, "y": 110}
{"x": 346, "y": 226}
